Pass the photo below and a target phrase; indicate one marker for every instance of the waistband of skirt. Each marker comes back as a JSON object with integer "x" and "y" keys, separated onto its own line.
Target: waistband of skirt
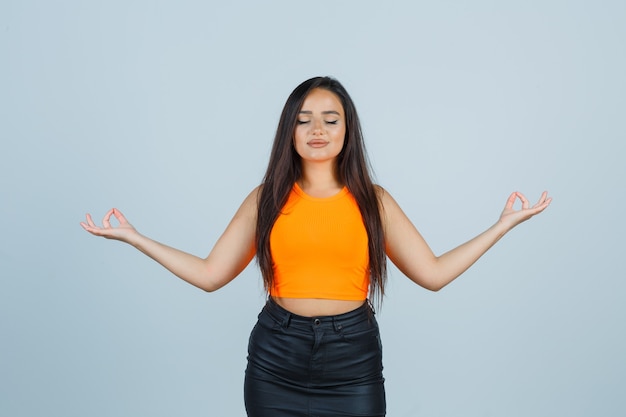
{"x": 364, "y": 312}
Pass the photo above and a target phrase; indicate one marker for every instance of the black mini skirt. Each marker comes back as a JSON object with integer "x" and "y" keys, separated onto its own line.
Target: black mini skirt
{"x": 314, "y": 366}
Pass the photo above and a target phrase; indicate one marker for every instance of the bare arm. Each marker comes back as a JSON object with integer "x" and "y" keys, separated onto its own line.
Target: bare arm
{"x": 231, "y": 254}
{"x": 408, "y": 250}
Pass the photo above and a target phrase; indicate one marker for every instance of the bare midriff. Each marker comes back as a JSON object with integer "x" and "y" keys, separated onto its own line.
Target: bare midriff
{"x": 317, "y": 307}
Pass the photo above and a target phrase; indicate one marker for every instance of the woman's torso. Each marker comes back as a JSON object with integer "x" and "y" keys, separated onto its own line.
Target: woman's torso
{"x": 321, "y": 241}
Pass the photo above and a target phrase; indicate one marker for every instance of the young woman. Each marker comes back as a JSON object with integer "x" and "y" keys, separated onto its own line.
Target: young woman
{"x": 321, "y": 232}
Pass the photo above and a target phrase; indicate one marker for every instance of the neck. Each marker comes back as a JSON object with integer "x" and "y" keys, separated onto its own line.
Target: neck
{"x": 319, "y": 178}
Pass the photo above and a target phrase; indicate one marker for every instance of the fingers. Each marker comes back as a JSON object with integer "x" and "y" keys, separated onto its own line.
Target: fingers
{"x": 90, "y": 221}
{"x": 541, "y": 200}
{"x": 511, "y": 201}
{"x": 514, "y": 196}
{"x": 544, "y": 201}
{"x": 119, "y": 216}
{"x": 92, "y": 227}
{"x": 105, "y": 220}
{"x": 89, "y": 226}
{"x": 525, "y": 212}
{"x": 524, "y": 200}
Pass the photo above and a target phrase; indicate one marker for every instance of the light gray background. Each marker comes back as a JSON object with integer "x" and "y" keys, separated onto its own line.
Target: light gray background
{"x": 167, "y": 110}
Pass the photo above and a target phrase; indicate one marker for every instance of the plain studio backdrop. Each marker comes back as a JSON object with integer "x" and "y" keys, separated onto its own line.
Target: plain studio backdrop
{"x": 167, "y": 110}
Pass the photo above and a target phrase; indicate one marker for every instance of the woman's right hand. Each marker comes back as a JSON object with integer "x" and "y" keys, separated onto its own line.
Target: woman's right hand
{"x": 123, "y": 232}
{"x": 230, "y": 255}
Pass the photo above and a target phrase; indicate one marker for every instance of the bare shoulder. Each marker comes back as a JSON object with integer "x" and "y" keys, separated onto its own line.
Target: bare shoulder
{"x": 250, "y": 204}
{"x": 254, "y": 194}
{"x": 386, "y": 200}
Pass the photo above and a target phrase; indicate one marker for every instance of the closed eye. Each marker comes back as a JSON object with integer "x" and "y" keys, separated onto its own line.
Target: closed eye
{"x": 332, "y": 122}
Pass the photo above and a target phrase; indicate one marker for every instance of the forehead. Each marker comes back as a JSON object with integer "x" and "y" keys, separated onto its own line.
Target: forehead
{"x": 322, "y": 100}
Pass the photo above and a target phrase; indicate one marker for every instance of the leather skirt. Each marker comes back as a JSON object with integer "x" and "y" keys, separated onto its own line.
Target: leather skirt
{"x": 314, "y": 366}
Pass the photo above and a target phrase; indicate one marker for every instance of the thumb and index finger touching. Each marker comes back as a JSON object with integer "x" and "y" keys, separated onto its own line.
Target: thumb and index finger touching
{"x": 90, "y": 226}
{"x": 118, "y": 216}
{"x": 544, "y": 201}
{"x": 526, "y": 211}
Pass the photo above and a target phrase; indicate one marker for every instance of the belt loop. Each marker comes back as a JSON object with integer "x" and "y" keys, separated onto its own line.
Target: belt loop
{"x": 287, "y": 321}
{"x": 337, "y": 324}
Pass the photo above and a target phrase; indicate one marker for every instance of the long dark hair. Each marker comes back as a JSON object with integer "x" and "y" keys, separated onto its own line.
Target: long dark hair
{"x": 353, "y": 170}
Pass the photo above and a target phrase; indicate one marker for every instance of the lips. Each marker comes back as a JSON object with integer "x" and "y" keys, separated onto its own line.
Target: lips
{"x": 317, "y": 143}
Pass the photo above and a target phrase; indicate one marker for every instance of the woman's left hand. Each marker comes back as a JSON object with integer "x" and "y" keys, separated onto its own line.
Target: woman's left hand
{"x": 511, "y": 217}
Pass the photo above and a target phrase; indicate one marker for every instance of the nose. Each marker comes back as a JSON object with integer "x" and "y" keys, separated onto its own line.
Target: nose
{"x": 318, "y": 127}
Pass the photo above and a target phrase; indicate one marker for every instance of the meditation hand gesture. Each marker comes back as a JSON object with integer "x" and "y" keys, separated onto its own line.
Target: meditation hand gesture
{"x": 511, "y": 217}
{"x": 123, "y": 232}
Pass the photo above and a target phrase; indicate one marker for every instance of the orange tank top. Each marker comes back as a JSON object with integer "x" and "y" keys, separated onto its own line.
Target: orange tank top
{"x": 319, "y": 248}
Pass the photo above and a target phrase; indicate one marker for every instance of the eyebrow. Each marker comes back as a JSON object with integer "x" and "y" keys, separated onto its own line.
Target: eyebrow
{"x": 324, "y": 112}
